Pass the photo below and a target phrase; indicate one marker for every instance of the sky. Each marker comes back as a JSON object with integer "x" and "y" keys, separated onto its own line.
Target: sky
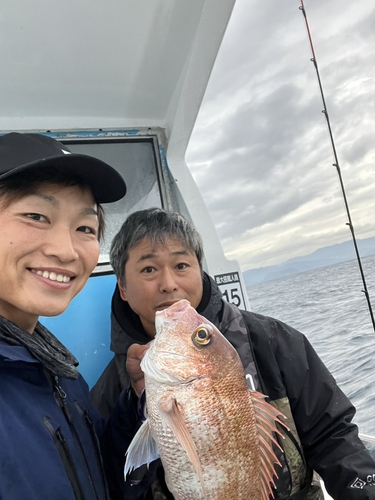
{"x": 260, "y": 150}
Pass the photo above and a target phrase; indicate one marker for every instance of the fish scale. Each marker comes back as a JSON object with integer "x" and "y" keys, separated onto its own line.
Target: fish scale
{"x": 212, "y": 433}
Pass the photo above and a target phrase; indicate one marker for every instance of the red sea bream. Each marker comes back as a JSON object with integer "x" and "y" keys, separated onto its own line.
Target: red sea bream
{"x": 211, "y": 432}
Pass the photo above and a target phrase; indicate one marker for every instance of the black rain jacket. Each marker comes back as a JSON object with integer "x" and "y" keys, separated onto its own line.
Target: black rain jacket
{"x": 286, "y": 368}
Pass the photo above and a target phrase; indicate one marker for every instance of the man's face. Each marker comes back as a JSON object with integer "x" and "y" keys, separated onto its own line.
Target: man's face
{"x": 157, "y": 277}
{"x": 48, "y": 248}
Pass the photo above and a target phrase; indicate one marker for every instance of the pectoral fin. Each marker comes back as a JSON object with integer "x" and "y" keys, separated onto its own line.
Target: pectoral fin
{"x": 142, "y": 449}
{"x": 173, "y": 417}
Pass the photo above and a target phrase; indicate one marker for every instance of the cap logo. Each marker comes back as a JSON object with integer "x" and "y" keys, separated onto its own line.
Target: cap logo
{"x": 66, "y": 152}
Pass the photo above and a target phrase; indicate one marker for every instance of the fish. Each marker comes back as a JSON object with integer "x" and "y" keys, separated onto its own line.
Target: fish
{"x": 213, "y": 434}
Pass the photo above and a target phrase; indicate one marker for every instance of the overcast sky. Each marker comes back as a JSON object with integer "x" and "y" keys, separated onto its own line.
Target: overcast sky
{"x": 260, "y": 151}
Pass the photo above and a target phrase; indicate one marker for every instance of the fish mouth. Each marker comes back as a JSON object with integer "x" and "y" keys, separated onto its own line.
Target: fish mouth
{"x": 170, "y": 309}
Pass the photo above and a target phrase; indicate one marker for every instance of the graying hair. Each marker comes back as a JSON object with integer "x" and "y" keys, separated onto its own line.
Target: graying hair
{"x": 158, "y": 226}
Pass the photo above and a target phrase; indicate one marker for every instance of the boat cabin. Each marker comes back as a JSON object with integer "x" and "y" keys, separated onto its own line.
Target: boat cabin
{"x": 122, "y": 81}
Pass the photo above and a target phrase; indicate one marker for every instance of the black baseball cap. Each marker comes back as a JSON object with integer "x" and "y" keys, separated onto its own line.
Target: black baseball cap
{"x": 23, "y": 152}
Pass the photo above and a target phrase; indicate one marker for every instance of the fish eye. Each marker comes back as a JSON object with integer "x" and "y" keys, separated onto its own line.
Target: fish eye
{"x": 201, "y": 336}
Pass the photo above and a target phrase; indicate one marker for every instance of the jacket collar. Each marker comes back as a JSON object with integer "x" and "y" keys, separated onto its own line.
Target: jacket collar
{"x": 15, "y": 353}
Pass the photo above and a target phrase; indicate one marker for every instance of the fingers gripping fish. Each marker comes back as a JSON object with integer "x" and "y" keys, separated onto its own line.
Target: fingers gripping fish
{"x": 213, "y": 435}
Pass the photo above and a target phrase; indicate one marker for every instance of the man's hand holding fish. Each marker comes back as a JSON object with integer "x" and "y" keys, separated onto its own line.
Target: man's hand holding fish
{"x": 133, "y": 367}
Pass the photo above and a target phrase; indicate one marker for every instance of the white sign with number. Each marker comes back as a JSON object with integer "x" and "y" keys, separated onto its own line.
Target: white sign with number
{"x": 230, "y": 287}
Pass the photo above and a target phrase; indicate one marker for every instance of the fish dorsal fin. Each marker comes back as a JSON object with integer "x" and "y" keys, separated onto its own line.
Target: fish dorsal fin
{"x": 142, "y": 449}
{"x": 172, "y": 416}
{"x": 266, "y": 417}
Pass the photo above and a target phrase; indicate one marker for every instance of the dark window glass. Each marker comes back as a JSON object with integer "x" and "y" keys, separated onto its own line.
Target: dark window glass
{"x": 137, "y": 161}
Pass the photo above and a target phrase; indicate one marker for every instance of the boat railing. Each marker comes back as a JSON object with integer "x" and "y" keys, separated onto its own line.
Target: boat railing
{"x": 369, "y": 442}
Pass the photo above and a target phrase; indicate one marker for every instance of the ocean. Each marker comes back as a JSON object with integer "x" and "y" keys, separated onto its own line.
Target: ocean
{"x": 328, "y": 306}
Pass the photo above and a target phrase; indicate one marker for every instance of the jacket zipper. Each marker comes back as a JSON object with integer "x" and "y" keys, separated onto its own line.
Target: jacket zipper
{"x": 60, "y": 399}
{"x": 66, "y": 458}
{"x": 94, "y": 437}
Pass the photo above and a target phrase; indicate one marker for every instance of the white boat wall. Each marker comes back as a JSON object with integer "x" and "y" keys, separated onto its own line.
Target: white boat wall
{"x": 123, "y": 81}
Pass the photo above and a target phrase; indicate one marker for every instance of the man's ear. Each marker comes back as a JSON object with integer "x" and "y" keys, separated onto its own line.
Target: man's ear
{"x": 122, "y": 289}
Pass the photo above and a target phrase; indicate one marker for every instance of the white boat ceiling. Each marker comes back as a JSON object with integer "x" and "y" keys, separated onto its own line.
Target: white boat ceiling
{"x": 79, "y": 64}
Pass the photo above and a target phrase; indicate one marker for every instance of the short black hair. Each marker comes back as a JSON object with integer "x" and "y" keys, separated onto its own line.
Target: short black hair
{"x": 157, "y": 225}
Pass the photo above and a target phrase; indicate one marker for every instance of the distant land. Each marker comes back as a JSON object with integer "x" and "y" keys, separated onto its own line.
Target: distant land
{"x": 320, "y": 258}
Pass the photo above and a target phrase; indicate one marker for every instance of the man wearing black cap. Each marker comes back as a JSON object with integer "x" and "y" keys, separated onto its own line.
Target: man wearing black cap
{"x": 51, "y": 222}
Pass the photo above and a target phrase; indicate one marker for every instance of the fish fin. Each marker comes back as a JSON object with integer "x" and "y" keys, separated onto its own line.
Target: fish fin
{"x": 142, "y": 449}
{"x": 171, "y": 414}
{"x": 267, "y": 417}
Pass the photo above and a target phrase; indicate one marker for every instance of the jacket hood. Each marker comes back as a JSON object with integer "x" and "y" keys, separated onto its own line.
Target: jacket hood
{"x": 126, "y": 326}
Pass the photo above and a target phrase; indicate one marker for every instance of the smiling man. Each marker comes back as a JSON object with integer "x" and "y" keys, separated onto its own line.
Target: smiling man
{"x": 158, "y": 275}
{"x": 51, "y": 222}
{"x": 157, "y": 258}
{"x": 49, "y": 247}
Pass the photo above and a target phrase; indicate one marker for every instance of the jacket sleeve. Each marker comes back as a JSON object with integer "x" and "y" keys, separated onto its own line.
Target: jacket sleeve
{"x": 289, "y": 366}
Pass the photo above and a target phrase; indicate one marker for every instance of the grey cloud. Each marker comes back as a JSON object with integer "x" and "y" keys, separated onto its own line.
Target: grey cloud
{"x": 260, "y": 151}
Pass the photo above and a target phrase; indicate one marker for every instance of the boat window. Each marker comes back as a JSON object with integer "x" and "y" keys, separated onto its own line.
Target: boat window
{"x": 138, "y": 162}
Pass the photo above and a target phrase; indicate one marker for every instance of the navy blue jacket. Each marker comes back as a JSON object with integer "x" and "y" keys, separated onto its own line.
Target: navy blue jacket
{"x": 49, "y": 446}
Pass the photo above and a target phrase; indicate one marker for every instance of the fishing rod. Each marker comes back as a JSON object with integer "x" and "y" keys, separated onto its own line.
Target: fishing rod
{"x": 337, "y": 166}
